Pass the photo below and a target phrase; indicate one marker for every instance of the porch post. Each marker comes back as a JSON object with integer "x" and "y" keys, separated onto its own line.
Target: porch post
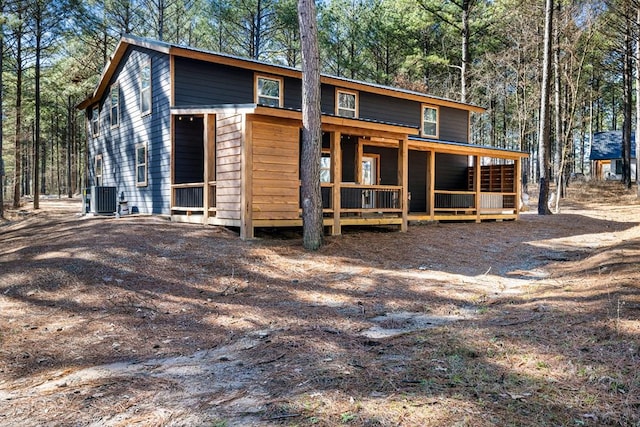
{"x": 403, "y": 180}
{"x": 246, "y": 176}
{"x": 336, "y": 178}
{"x": 432, "y": 183}
{"x": 518, "y": 185}
{"x": 208, "y": 139}
{"x": 477, "y": 184}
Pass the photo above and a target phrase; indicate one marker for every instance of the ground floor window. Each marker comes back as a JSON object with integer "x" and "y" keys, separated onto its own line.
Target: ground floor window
{"x": 141, "y": 165}
{"x": 97, "y": 169}
{"x": 325, "y": 167}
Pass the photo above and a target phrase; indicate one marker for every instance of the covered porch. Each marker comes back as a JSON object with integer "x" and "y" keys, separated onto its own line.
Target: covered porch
{"x": 239, "y": 166}
{"x": 463, "y": 182}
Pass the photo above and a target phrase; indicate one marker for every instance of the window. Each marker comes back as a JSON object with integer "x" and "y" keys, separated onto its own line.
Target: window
{"x": 346, "y": 104}
{"x": 141, "y": 165}
{"x": 269, "y": 91}
{"x": 145, "y": 88}
{"x": 95, "y": 121}
{"x": 430, "y": 121}
{"x": 97, "y": 169}
{"x": 114, "y": 95}
{"x": 325, "y": 167}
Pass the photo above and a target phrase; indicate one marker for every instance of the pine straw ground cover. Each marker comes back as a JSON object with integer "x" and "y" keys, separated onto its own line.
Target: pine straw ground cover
{"x": 139, "y": 321}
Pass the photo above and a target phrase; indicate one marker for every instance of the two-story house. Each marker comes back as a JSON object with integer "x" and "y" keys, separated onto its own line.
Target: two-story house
{"x": 212, "y": 138}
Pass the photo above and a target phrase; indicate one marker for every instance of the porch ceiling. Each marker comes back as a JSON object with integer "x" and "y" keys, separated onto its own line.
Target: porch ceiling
{"x": 463, "y": 149}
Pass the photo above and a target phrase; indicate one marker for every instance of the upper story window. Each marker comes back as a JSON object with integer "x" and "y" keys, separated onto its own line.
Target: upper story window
{"x": 95, "y": 120}
{"x": 97, "y": 169}
{"x": 430, "y": 118}
{"x": 141, "y": 165}
{"x": 269, "y": 91}
{"x": 114, "y": 95}
{"x": 346, "y": 103}
{"x": 145, "y": 87}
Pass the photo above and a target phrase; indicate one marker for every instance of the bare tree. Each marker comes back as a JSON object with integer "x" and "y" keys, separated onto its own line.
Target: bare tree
{"x": 544, "y": 145}
{"x": 311, "y": 127}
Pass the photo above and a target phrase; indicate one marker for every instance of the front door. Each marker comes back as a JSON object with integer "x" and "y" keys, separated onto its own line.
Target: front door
{"x": 369, "y": 177}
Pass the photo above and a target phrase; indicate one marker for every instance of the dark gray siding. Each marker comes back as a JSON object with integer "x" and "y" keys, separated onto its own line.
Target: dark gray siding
{"x": 292, "y": 93}
{"x": 188, "y": 150}
{"x": 418, "y": 180}
{"x": 388, "y": 163}
{"x": 451, "y": 172}
{"x": 328, "y": 99}
{"x": 454, "y": 125}
{"x": 348, "y": 145}
{"x": 117, "y": 145}
{"x": 389, "y": 110}
{"x": 206, "y": 83}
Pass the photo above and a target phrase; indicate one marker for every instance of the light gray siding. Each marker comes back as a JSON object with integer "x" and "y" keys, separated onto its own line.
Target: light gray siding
{"x": 117, "y": 145}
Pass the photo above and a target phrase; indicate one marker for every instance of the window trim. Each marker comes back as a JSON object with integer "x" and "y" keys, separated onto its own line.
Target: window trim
{"x": 97, "y": 177}
{"x": 356, "y": 110}
{"x": 149, "y": 89}
{"x": 116, "y": 87}
{"x": 143, "y": 164}
{"x": 422, "y": 121}
{"x": 95, "y": 121}
{"x": 257, "y": 95}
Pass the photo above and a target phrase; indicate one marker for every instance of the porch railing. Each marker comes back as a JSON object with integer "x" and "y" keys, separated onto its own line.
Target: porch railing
{"x": 191, "y": 196}
{"x": 455, "y": 200}
{"x": 375, "y": 198}
{"x": 494, "y": 202}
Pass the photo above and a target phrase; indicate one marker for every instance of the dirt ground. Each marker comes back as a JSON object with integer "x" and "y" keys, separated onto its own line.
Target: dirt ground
{"x": 140, "y": 321}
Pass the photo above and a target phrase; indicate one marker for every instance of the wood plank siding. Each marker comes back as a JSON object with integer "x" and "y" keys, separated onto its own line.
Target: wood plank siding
{"x": 117, "y": 144}
{"x": 229, "y": 142}
{"x": 276, "y": 185}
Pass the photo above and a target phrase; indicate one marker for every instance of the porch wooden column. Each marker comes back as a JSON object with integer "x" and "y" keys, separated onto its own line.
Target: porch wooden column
{"x": 431, "y": 160}
{"x": 208, "y": 139}
{"x": 246, "y": 185}
{"x": 518, "y": 184}
{"x": 359, "y": 154}
{"x": 336, "y": 178}
{"x": 477, "y": 184}
{"x": 403, "y": 180}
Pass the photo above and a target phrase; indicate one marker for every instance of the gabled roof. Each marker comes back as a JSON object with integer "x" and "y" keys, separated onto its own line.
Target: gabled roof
{"x": 208, "y": 56}
{"x": 608, "y": 145}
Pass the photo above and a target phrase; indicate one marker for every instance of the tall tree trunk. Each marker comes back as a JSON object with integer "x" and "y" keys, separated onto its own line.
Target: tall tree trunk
{"x": 36, "y": 147}
{"x": 637, "y": 41}
{"x": 1, "y": 113}
{"x": 544, "y": 145}
{"x": 627, "y": 97}
{"x": 18, "y": 142}
{"x": 557, "y": 111}
{"x": 311, "y": 127}
{"x": 69, "y": 148}
{"x": 466, "y": 6}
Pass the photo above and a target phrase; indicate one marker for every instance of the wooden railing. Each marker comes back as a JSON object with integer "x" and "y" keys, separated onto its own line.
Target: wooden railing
{"x": 497, "y": 202}
{"x": 455, "y": 201}
{"x": 376, "y": 198}
{"x": 190, "y": 197}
